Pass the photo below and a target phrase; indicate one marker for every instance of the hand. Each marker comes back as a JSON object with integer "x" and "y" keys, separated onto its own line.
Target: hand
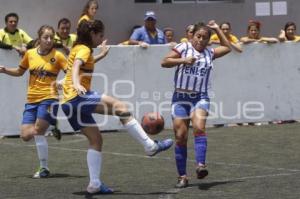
{"x": 20, "y": 50}
{"x": 104, "y": 48}
{"x": 59, "y": 84}
{"x": 143, "y": 44}
{"x": 213, "y": 25}
{"x": 2, "y": 69}
{"x": 189, "y": 60}
{"x": 80, "y": 89}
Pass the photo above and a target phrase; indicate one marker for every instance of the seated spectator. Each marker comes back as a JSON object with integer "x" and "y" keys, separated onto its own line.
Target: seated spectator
{"x": 169, "y": 35}
{"x": 188, "y": 33}
{"x": 13, "y": 38}
{"x": 63, "y": 39}
{"x": 233, "y": 40}
{"x": 132, "y": 30}
{"x": 89, "y": 11}
{"x": 289, "y": 33}
{"x": 253, "y": 34}
{"x": 147, "y": 34}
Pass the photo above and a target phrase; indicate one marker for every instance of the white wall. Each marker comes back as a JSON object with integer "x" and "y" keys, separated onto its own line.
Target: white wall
{"x": 266, "y": 75}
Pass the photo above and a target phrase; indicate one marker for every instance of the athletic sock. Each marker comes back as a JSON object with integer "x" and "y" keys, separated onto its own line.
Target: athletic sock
{"x": 180, "y": 157}
{"x": 200, "y": 144}
{"x": 42, "y": 150}
{"x": 138, "y": 133}
{"x": 94, "y": 161}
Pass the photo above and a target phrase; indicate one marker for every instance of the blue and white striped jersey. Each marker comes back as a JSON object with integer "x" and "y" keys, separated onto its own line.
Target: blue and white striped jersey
{"x": 196, "y": 77}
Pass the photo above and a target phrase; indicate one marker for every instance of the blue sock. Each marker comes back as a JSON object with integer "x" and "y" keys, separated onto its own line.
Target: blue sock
{"x": 200, "y": 144}
{"x": 180, "y": 157}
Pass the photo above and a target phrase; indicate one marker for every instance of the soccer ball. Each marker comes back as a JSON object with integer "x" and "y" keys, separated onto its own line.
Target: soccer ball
{"x": 153, "y": 123}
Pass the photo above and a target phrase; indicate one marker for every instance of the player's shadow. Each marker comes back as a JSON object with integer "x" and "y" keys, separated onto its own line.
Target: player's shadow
{"x": 120, "y": 193}
{"x": 55, "y": 175}
{"x": 206, "y": 186}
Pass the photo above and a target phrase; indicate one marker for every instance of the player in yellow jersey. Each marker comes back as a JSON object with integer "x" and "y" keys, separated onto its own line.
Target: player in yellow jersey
{"x": 80, "y": 102}
{"x": 44, "y": 63}
{"x": 89, "y": 11}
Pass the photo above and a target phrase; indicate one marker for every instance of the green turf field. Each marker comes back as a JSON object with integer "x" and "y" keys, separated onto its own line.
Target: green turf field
{"x": 244, "y": 163}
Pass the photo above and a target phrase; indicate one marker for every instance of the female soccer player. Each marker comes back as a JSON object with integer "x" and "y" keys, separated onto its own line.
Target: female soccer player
{"x": 44, "y": 64}
{"x": 79, "y": 102}
{"x": 190, "y": 100}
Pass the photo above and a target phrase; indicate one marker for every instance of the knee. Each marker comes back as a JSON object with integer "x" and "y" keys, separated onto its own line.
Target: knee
{"x": 26, "y": 136}
{"x": 39, "y": 129}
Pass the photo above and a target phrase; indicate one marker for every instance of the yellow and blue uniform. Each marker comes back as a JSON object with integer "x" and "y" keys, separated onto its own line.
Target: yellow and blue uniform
{"x": 17, "y": 38}
{"x": 42, "y": 92}
{"x": 79, "y": 108}
{"x": 297, "y": 38}
{"x": 66, "y": 42}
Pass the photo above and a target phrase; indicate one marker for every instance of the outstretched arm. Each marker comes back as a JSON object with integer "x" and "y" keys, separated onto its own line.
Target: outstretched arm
{"x": 16, "y": 72}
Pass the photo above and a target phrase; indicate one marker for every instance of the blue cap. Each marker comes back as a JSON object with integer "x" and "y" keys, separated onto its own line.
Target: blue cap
{"x": 150, "y": 14}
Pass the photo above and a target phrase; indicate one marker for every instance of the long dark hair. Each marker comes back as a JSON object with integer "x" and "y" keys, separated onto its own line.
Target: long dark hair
{"x": 84, "y": 31}
{"x": 87, "y": 6}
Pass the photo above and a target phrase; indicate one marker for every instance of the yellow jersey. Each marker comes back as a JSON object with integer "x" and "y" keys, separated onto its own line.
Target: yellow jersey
{"x": 297, "y": 38}
{"x": 43, "y": 71}
{"x": 66, "y": 42}
{"x": 85, "y": 54}
{"x": 84, "y": 17}
{"x": 15, "y": 39}
{"x": 232, "y": 38}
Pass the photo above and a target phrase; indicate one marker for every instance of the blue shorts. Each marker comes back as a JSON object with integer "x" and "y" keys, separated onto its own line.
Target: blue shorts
{"x": 79, "y": 110}
{"x": 46, "y": 110}
{"x": 183, "y": 104}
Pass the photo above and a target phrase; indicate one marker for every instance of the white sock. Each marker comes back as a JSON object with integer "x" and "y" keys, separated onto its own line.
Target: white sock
{"x": 42, "y": 150}
{"x": 138, "y": 133}
{"x": 94, "y": 161}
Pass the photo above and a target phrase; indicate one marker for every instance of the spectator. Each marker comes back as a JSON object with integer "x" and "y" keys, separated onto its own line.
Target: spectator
{"x": 147, "y": 34}
{"x": 289, "y": 33}
{"x": 253, "y": 32}
{"x": 169, "y": 35}
{"x": 132, "y": 30}
{"x": 89, "y": 11}
{"x": 63, "y": 39}
{"x": 233, "y": 40}
{"x": 188, "y": 33}
{"x": 13, "y": 37}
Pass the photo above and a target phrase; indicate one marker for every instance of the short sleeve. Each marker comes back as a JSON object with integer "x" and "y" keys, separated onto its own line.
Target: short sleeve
{"x": 62, "y": 61}
{"x": 24, "y": 63}
{"x": 26, "y": 38}
{"x": 136, "y": 35}
{"x": 83, "y": 54}
{"x": 180, "y": 48}
{"x": 234, "y": 39}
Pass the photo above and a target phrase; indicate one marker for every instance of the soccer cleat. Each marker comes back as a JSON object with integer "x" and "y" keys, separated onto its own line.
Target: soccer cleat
{"x": 56, "y": 133}
{"x": 201, "y": 172}
{"x": 103, "y": 189}
{"x": 182, "y": 182}
{"x": 41, "y": 173}
{"x": 161, "y": 146}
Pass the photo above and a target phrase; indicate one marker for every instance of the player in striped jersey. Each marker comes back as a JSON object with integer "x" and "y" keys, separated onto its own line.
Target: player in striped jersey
{"x": 193, "y": 62}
